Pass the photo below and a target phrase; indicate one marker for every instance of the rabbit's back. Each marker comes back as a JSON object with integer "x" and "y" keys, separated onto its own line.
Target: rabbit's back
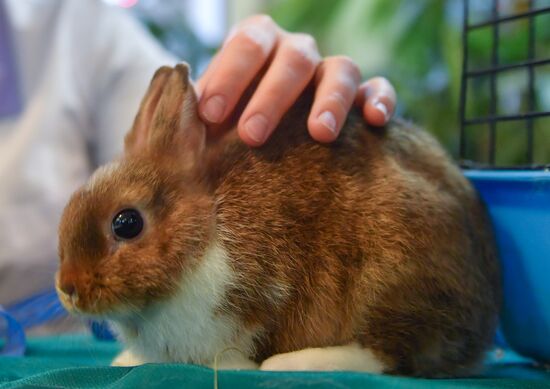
{"x": 376, "y": 238}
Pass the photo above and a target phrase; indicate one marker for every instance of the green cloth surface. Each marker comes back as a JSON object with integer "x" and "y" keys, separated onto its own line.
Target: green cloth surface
{"x": 72, "y": 361}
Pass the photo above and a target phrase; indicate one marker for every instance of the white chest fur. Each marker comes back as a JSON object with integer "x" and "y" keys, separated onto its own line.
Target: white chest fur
{"x": 190, "y": 327}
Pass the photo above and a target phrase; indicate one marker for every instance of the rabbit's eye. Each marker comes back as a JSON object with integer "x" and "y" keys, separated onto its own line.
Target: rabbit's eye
{"x": 127, "y": 224}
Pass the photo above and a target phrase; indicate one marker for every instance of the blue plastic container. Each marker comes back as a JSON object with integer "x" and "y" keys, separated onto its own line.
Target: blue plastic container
{"x": 519, "y": 205}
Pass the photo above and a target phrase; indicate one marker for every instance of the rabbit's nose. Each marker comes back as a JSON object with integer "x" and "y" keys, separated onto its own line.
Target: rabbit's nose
{"x": 68, "y": 279}
{"x": 68, "y": 288}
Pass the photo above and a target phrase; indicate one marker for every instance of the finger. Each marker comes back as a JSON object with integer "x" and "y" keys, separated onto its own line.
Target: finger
{"x": 239, "y": 61}
{"x": 337, "y": 81}
{"x": 377, "y": 98}
{"x": 292, "y": 69}
{"x": 200, "y": 84}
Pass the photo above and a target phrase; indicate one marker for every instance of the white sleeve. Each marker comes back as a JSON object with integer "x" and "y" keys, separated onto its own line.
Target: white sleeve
{"x": 84, "y": 67}
{"x": 124, "y": 58}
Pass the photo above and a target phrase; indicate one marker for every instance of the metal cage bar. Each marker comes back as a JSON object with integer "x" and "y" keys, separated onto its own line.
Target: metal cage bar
{"x": 531, "y": 82}
{"x": 493, "y": 85}
{"x": 464, "y": 80}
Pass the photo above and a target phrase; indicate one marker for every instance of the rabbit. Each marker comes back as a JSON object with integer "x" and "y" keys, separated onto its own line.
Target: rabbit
{"x": 373, "y": 253}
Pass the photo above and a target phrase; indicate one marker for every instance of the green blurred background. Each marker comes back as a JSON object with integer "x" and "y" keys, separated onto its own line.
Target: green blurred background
{"x": 417, "y": 45}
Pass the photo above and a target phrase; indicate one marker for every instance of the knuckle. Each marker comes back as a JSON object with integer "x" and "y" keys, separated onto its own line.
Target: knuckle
{"x": 250, "y": 45}
{"x": 338, "y": 99}
{"x": 349, "y": 65}
{"x": 301, "y": 61}
{"x": 256, "y": 35}
{"x": 378, "y": 82}
{"x": 381, "y": 79}
{"x": 301, "y": 54}
{"x": 381, "y": 86}
{"x": 262, "y": 19}
{"x": 307, "y": 40}
{"x": 343, "y": 60}
{"x": 354, "y": 71}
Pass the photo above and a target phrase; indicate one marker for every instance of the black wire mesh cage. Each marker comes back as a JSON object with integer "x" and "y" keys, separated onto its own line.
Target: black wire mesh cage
{"x": 505, "y": 90}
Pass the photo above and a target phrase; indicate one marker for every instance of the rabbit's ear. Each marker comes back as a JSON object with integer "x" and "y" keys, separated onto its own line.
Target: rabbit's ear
{"x": 167, "y": 123}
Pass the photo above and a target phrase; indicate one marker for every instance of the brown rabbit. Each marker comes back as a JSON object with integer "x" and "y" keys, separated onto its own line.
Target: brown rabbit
{"x": 373, "y": 253}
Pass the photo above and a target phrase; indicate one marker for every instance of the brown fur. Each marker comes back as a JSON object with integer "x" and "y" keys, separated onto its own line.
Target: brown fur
{"x": 376, "y": 238}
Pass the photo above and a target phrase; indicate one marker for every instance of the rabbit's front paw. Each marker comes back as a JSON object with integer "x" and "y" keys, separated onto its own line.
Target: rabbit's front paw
{"x": 351, "y": 357}
{"x": 127, "y": 358}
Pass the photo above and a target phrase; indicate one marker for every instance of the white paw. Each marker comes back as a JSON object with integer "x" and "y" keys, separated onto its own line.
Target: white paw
{"x": 351, "y": 357}
{"x": 126, "y": 358}
{"x": 286, "y": 362}
{"x": 313, "y": 359}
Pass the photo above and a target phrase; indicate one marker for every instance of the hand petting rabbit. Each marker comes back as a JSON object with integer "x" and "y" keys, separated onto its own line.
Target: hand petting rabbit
{"x": 372, "y": 253}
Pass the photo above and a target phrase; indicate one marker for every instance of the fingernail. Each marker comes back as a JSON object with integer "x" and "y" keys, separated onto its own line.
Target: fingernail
{"x": 328, "y": 120}
{"x": 214, "y": 108}
{"x": 380, "y": 106}
{"x": 256, "y": 128}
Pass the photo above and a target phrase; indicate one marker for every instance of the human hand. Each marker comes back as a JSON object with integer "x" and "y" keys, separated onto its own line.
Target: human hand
{"x": 286, "y": 62}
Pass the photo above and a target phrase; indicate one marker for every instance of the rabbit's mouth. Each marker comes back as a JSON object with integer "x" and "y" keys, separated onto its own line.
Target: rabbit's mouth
{"x": 86, "y": 300}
